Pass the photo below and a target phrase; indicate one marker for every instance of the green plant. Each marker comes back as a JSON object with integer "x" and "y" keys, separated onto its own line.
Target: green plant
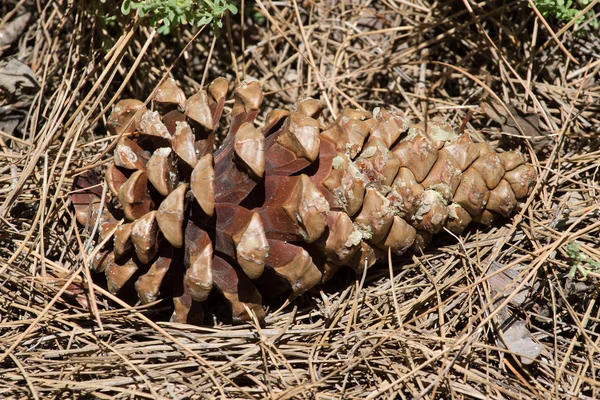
{"x": 560, "y": 9}
{"x": 566, "y": 10}
{"x": 582, "y": 263}
{"x": 168, "y": 14}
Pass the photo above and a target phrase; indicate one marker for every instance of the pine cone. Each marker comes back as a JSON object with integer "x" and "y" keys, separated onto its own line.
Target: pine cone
{"x": 289, "y": 203}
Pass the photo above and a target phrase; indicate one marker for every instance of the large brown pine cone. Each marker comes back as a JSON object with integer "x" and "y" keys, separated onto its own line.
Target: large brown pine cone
{"x": 291, "y": 202}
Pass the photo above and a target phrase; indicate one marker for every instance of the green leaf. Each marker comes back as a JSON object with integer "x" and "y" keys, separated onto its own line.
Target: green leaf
{"x": 204, "y": 21}
{"x": 164, "y": 30}
{"x": 259, "y": 18}
{"x": 233, "y": 9}
{"x": 126, "y": 7}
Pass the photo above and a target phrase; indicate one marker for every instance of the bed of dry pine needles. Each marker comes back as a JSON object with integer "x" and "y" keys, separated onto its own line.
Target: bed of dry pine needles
{"x": 432, "y": 325}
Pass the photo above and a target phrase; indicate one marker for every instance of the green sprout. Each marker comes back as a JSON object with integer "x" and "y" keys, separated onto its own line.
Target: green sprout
{"x": 560, "y": 9}
{"x": 582, "y": 263}
{"x": 168, "y": 14}
{"x": 566, "y": 10}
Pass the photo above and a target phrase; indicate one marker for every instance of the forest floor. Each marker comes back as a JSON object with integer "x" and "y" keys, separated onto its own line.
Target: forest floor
{"x": 507, "y": 312}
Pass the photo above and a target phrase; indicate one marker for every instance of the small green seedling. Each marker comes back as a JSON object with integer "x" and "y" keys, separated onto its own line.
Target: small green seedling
{"x": 582, "y": 263}
{"x": 168, "y": 14}
{"x": 559, "y": 9}
{"x": 566, "y": 10}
